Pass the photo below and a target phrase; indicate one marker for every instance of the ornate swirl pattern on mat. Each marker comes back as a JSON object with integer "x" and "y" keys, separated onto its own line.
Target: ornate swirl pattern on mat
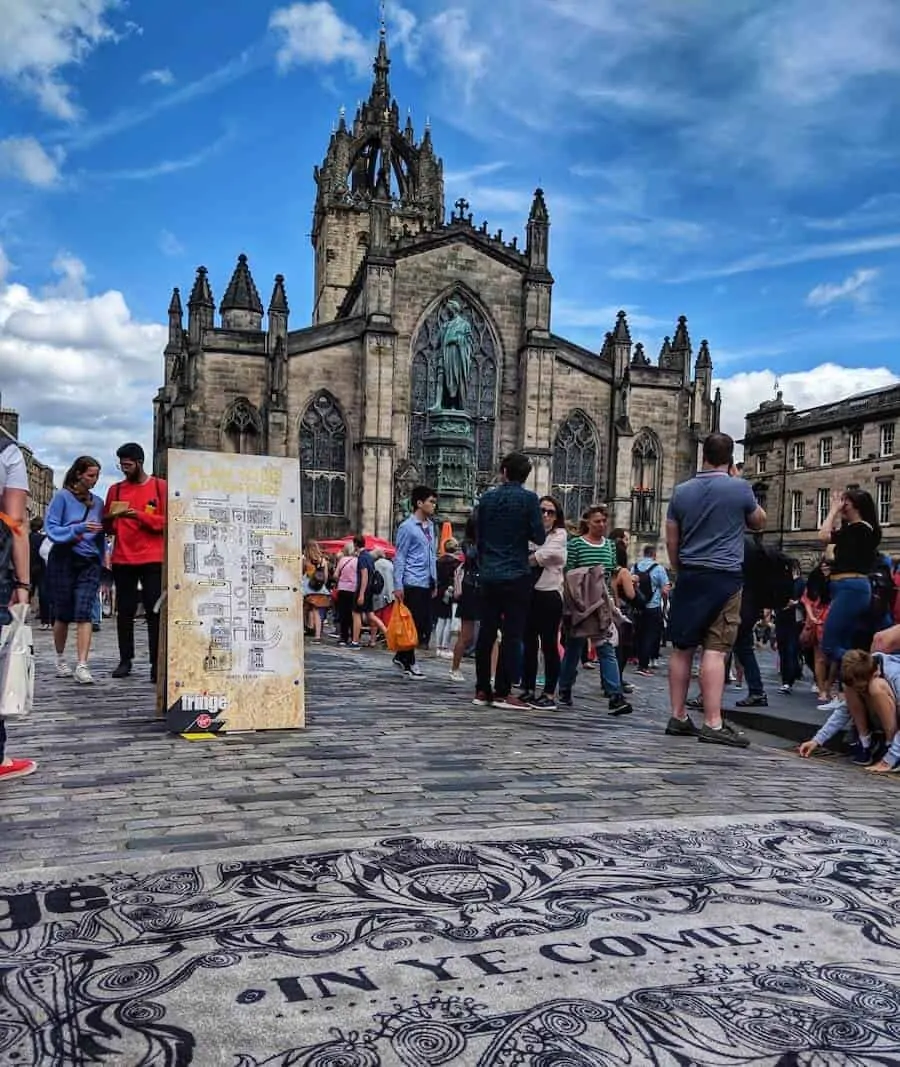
{"x": 104, "y": 966}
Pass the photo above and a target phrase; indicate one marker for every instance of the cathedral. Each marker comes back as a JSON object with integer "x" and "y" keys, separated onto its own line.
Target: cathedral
{"x": 348, "y": 395}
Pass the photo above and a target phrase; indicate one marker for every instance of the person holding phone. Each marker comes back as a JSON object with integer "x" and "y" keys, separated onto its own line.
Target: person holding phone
{"x": 74, "y": 523}
{"x": 136, "y": 516}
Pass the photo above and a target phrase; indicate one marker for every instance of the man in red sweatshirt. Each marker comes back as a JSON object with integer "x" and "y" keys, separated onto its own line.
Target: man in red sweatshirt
{"x": 136, "y": 514}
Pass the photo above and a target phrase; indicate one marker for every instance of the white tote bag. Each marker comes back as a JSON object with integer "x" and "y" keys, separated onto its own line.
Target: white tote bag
{"x": 16, "y": 665}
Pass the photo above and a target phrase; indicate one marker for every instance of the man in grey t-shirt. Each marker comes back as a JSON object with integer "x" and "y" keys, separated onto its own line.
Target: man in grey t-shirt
{"x": 705, "y": 526}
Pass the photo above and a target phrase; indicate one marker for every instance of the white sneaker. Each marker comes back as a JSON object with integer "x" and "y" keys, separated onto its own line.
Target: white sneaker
{"x": 83, "y": 675}
{"x": 415, "y": 671}
{"x": 833, "y": 704}
{"x": 457, "y": 676}
{"x": 63, "y": 670}
{"x": 785, "y": 689}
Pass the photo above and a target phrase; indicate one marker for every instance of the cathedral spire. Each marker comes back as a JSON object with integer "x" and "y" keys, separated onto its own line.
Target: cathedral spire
{"x": 381, "y": 87}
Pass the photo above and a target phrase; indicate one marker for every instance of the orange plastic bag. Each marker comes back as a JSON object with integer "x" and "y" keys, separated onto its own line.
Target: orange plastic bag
{"x": 402, "y": 635}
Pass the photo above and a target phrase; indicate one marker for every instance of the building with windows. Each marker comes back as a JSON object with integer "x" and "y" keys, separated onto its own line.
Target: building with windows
{"x": 795, "y": 459}
{"x": 349, "y": 394}
{"x": 40, "y": 476}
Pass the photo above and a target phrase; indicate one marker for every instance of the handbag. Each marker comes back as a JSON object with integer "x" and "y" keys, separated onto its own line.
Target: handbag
{"x": 16, "y": 665}
{"x": 402, "y": 635}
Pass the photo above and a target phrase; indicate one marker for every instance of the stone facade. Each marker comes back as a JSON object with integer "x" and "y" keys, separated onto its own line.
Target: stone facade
{"x": 795, "y": 459}
{"x": 348, "y": 395}
{"x": 40, "y": 476}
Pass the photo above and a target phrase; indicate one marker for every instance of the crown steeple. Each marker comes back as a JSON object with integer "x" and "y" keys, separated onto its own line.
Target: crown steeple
{"x": 372, "y": 162}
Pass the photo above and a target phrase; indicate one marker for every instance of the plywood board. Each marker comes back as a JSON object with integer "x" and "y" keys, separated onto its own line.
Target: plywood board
{"x": 234, "y": 611}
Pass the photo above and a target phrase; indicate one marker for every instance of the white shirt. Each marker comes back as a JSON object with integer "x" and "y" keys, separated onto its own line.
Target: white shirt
{"x": 13, "y": 472}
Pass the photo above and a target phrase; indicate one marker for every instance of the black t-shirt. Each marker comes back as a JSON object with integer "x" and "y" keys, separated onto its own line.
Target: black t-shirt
{"x": 854, "y": 549}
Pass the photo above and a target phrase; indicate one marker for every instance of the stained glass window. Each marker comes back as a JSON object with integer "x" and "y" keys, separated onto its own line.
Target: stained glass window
{"x": 646, "y": 460}
{"x": 575, "y": 464}
{"x": 242, "y": 428}
{"x": 323, "y": 458}
{"x": 481, "y": 395}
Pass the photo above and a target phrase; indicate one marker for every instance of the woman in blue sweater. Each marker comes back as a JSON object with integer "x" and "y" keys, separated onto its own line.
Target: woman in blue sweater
{"x": 74, "y": 523}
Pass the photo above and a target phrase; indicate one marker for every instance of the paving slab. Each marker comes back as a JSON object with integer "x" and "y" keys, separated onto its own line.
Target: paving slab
{"x": 382, "y": 752}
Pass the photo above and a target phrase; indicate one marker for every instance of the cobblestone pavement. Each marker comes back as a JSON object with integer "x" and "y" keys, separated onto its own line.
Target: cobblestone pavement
{"x": 379, "y": 754}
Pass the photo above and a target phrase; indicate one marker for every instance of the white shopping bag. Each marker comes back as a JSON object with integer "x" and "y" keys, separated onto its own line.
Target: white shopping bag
{"x": 16, "y": 665}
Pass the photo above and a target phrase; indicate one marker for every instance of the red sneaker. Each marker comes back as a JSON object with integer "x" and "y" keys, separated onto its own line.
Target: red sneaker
{"x": 18, "y": 768}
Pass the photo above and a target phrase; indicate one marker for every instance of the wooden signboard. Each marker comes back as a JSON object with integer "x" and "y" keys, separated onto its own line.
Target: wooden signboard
{"x": 234, "y": 607}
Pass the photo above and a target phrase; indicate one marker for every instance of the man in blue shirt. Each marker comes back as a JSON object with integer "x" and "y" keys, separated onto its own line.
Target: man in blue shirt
{"x": 415, "y": 571}
{"x": 652, "y": 586}
{"x": 705, "y": 527}
{"x": 508, "y": 523}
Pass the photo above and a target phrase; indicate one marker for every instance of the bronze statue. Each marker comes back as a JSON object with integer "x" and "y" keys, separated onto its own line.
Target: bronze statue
{"x": 455, "y": 364}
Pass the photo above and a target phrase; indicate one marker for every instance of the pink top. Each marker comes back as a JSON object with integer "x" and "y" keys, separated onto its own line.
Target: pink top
{"x": 346, "y": 574}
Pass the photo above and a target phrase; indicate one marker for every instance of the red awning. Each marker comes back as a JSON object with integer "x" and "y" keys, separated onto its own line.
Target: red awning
{"x": 335, "y": 547}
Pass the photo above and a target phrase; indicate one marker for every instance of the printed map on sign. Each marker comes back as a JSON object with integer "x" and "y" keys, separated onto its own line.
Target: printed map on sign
{"x": 235, "y": 619}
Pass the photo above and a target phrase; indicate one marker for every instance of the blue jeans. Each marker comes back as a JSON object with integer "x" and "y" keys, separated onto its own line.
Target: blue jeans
{"x": 746, "y": 656}
{"x": 606, "y": 657}
{"x": 850, "y": 601}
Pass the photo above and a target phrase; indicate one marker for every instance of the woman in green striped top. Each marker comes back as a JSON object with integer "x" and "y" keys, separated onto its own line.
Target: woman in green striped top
{"x": 588, "y": 550}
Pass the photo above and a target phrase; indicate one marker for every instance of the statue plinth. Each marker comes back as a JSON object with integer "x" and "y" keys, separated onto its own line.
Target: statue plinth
{"x": 449, "y": 461}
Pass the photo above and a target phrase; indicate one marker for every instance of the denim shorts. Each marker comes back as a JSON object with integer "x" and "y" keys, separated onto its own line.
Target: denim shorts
{"x": 705, "y": 609}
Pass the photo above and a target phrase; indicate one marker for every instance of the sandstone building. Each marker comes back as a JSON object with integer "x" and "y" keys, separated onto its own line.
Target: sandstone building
{"x": 348, "y": 395}
{"x": 40, "y": 476}
{"x": 796, "y": 458}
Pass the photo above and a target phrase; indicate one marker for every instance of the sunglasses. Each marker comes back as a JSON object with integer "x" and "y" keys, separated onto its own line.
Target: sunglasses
{"x": 548, "y": 511}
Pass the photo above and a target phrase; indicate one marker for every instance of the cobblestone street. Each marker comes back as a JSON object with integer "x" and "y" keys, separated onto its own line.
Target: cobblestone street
{"x": 379, "y": 754}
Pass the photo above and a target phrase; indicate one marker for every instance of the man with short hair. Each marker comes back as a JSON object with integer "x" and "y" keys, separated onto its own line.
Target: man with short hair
{"x": 508, "y": 523}
{"x": 652, "y": 588}
{"x": 705, "y": 526}
{"x": 415, "y": 571}
{"x": 136, "y": 515}
{"x": 15, "y": 581}
{"x": 364, "y": 607}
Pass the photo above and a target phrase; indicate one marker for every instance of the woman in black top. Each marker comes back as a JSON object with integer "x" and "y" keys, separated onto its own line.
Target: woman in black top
{"x": 856, "y": 540}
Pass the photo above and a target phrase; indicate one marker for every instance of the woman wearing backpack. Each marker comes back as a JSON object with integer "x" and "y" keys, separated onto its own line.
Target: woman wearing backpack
{"x": 316, "y": 599}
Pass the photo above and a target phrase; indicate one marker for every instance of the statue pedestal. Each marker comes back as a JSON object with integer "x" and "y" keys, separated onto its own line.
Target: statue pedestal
{"x": 449, "y": 462}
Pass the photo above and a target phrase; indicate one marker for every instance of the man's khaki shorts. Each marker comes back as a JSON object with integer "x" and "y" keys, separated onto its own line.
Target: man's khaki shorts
{"x": 723, "y": 630}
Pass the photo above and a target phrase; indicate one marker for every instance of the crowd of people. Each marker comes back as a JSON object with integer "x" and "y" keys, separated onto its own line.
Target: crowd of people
{"x": 535, "y": 602}
{"x": 531, "y": 599}
{"x": 83, "y": 543}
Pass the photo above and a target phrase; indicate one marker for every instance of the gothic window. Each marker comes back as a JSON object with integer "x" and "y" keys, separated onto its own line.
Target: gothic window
{"x": 323, "y": 458}
{"x": 646, "y": 464}
{"x": 481, "y": 395}
{"x": 242, "y": 429}
{"x": 575, "y": 456}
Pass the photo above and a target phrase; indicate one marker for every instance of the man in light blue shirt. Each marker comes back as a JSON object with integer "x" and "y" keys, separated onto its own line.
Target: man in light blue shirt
{"x": 415, "y": 571}
{"x": 652, "y": 584}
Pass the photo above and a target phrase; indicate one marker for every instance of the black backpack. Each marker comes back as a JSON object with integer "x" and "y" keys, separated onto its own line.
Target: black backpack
{"x": 883, "y": 594}
{"x": 644, "y": 592}
{"x": 318, "y": 579}
{"x": 377, "y": 582}
{"x": 768, "y": 576}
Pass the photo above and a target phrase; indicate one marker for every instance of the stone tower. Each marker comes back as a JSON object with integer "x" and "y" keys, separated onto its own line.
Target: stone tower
{"x": 372, "y": 160}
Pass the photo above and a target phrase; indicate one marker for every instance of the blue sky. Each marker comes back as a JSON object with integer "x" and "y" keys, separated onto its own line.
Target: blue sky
{"x": 735, "y": 162}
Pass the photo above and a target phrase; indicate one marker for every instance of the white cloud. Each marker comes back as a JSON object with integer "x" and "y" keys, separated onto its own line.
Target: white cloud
{"x": 26, "y": 158}
{"x": 856, "y": 287}
{"x": 40, "y": 38}
{"x": 77, "y": 366}
{"x": 568, "y": 314}
{"x": 169, "y": 244}
{"x": 73, "y": 277}
{"x": 743, "y": 393}
{"x": 481, "y": 170}
{"x": 314, "y": 33}
{"x": 5, "y": 266}
{"x": 161, "y": 76}
{"x": 459, "y": 48}
{"x": 788, "y": 257}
